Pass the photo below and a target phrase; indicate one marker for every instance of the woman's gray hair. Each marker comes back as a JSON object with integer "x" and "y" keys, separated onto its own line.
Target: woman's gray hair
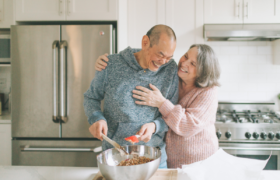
{"x": 207, "y": 67}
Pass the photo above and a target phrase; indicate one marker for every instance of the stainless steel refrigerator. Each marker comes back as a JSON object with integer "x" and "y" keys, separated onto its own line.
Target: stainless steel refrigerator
{"x": 52, "y": 66}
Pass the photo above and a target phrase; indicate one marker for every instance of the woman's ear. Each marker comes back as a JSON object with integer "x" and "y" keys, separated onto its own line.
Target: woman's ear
{"x": 145, "y": 42}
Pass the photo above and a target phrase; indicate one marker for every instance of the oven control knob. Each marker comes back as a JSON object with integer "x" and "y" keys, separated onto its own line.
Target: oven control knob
{"x": 228, "y": 134}
{"x": 219, "y": 134}
{"x": 263, "y": 135}
{"x": 248, "y": 135}
{"x": 278, "y": 135}
{"x": 256, "y": 135}
{"x": 271, "y": 135}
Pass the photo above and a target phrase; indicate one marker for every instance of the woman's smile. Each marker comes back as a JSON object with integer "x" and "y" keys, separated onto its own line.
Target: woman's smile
{"x": 183, "y": 70}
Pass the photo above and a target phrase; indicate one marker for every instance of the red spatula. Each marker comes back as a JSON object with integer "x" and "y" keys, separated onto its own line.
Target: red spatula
{"x": 133, "y": 139}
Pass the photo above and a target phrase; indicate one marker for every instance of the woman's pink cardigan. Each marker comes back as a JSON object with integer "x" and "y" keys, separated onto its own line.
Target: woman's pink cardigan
{"x": 191, "y": 136}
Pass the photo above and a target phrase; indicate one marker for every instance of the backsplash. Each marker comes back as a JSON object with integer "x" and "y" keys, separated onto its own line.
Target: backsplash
{"x": 248, "y": 72}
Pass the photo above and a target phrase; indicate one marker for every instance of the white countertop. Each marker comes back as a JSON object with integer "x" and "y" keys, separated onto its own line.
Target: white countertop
{"x": 72, "y": 173}
{"x": 46, "y": 173}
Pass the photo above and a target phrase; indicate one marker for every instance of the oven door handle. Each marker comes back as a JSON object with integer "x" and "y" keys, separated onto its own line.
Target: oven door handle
{"x": 60, "y": 149}
{"x": 255, "y": 149}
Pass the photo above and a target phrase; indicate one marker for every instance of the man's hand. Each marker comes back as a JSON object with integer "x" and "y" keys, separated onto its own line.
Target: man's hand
{"x": 101, "y": 62}
{"x": 146, "y": 132}
{"x": 97, "y": 128}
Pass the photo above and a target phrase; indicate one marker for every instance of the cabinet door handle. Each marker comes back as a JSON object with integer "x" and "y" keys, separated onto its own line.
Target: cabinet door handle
{"x": 68, "y": 7}
{"x": 238, "y": 9}
{"x": 60, "y": 7}
{"x": 247, "y": 7}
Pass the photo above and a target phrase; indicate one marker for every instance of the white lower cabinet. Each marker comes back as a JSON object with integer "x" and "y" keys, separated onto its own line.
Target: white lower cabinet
{"x": 5, "y": 145}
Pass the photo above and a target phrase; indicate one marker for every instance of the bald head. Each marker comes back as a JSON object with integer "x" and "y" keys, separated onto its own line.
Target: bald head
{"x": 155, "y": 32}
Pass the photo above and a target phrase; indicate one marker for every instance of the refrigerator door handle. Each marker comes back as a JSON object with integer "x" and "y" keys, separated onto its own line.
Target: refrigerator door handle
{"x": 61, "y": 149}
{"x": 55, "y": 81}
{"x": 63, "y": 81}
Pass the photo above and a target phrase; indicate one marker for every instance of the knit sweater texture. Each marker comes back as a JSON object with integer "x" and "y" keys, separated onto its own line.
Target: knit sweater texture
{"x": 191, "y": 136}
{"x": 114, "y": 85}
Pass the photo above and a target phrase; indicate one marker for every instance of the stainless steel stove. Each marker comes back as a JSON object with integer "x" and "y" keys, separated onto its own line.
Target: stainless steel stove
{"x": 250, "y": 130}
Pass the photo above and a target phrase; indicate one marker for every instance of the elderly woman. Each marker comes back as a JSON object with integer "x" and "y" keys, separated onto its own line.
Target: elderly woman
{"x": 191, "y": 136}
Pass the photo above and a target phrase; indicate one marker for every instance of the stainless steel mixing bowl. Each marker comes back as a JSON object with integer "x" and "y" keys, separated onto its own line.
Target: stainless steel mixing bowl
{"x": 108, "y": 160}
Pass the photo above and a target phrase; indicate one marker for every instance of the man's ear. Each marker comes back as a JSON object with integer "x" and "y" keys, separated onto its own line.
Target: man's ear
{"x": 145, "y": 42}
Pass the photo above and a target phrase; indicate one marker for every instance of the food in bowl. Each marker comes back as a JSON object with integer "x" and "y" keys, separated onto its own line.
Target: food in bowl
{"x": 135, "y": 161}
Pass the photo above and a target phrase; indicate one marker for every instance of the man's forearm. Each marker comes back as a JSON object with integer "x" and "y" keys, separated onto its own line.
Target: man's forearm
{"x": 92, "y": 109}
{"x": 93, "y": 97}
{"x": 161, "y": 126}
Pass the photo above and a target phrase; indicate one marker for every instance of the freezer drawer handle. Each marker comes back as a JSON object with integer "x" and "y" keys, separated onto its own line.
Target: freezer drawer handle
{"x": 63, "y": 81}
{"x": 55, "y": 81}
{"x": 60, "y": 149}
{"x": 255, "y": 149}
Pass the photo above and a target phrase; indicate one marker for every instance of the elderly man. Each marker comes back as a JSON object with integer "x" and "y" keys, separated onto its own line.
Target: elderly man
{"x": 121, "y": 117}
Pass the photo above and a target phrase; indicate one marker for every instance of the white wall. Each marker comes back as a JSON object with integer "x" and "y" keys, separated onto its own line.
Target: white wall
{"x": 248, "y": 72}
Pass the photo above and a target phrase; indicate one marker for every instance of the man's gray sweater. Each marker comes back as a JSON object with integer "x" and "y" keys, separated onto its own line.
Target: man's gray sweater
{"x": 124, "y": 117}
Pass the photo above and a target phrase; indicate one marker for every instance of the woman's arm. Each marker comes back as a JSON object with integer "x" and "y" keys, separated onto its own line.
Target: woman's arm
{"x": 193, "y": 119}
{"x": 154, "y": 98}
{"x": 100, "y": 63}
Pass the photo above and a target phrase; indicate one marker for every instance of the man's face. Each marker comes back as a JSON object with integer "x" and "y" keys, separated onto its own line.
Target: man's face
{"x": 160, "y": 53}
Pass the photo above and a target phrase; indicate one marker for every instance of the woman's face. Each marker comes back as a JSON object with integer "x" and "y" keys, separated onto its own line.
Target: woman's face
{"x": 187, "y": 66}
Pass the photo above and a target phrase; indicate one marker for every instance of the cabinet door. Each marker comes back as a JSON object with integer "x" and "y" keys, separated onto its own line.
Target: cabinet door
{"x": 261, "y": 11}
{"x": 6, "y": 13}
{"x": 40, "y": 10}
{"x": 142, "y": 15}
{"x": 181, "y": 17}
{"x": 221, "y": 11}
{"x": 91, "y": 10}
{"x": 6, "y": 145}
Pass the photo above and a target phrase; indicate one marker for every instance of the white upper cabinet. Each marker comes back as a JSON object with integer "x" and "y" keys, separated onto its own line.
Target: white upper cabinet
{"x": 6, "y": 13}
{"x": 91, "y": 10}
{"x": 57, "y": 10}
{"x": 261, "y": 11}
{"x": 223, "y": 11}
{"x": 142, "y": 15}
{"x": 178, "y": 14}
{"x": 241, "y": 11}
{"x": 181, "y": 17}
{"x": 40, "y": 10}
